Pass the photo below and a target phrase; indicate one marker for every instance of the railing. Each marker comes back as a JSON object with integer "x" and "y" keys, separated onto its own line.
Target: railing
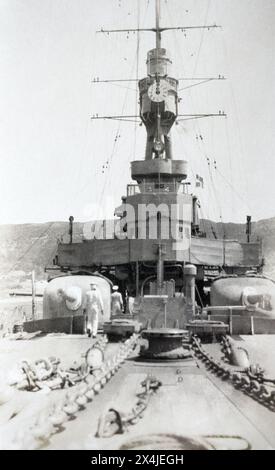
{"x": 252, "y": 323}
{"x": 229, "y": 309}
{"x": 155, "y": 188}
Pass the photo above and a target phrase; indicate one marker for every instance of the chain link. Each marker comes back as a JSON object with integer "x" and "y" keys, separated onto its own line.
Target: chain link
{"x": 241, "y": 379}
{"x": 113, "y": 421}
{"x": 46, "y": 424}
{"x": 46, "y": 373}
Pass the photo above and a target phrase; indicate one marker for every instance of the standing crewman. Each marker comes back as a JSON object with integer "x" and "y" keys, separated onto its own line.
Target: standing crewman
{"x": 93, "y": 305}
{"x": 116, "y": 302}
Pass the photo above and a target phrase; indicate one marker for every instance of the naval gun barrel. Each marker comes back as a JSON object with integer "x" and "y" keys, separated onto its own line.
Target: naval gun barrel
{"x": 254, "y": 299}
{"x": 72, "y": 296}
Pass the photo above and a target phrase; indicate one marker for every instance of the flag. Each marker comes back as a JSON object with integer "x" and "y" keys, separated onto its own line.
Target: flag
{"x": 199, "y": 181}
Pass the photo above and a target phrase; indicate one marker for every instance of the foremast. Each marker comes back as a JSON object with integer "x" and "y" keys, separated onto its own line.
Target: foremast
{"x": 158, "y": 112}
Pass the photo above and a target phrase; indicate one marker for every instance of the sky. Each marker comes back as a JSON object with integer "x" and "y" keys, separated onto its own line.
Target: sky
{"x": 56, "y": 162}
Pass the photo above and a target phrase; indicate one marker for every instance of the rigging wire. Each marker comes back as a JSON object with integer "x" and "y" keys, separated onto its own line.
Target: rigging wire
{"x": 237, "y": 120}
{"x": 193, "y": 174}
{"x": 123, "y": 86}
{"x": 201, "y": 144}
{"x": 196, "y": 128}
{"x": 51, "y": 225}
{"x": 196, "y": 84}
{"x": 29, "y": 248}
{"x": 234, "y": 190}
{"x": 54, "y": 251}
{"x": 76, "y": 178}
{"x": 199, "y": 295}
{"x": 199, "y": 132}
{"x": 137, "y": 73}
{"x": 202, "y": 37}
{"x": 216, "y": 196}
{"x": 117, "y": 136}
{"x": 202, "y": 219}
{"x": 135, "y": 62}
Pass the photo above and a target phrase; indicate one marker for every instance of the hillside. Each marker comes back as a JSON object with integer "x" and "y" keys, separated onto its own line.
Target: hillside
{"x": 263, "y": 230}
{"x": 27, "y": 247}
{"x": 32, "y": 246}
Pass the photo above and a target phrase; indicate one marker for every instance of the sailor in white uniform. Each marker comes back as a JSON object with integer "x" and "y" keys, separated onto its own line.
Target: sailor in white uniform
{"x": 116, "y": 302}
{"x": 93, "y": 305}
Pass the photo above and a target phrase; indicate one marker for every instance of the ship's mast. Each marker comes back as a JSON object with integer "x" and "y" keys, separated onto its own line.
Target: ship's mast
{"x": 161, "y": 85}
{"x": 158, "y": 33}
{"x": 158, "y": 98}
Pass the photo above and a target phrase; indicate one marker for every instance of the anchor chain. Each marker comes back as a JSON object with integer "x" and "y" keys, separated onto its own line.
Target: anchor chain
{"x": 48, "y": 423}
{"x": 114, "y": 422}
{"x": 47, "y": 373}
{"x": 248, "y": 380}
